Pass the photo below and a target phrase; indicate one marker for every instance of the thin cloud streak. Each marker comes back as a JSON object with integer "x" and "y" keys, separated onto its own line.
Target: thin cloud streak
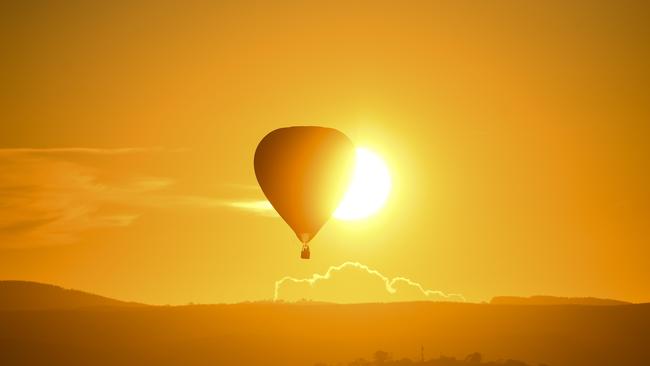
{"x": 260, "y": 207}
{"x": 79, "y": 150}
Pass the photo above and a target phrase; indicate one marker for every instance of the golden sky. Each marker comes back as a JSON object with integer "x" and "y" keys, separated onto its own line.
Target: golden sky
{"x": 516, "y": 134}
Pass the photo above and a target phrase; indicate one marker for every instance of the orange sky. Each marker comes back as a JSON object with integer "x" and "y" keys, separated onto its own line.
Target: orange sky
{"x": 517, "y": 137}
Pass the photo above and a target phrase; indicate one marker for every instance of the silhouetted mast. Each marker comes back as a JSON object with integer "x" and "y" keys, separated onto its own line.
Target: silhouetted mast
{"x": 422, "y": 353}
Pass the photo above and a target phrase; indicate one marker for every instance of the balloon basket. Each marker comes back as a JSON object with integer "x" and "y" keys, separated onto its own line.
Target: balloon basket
{"x": 304, "y": 253}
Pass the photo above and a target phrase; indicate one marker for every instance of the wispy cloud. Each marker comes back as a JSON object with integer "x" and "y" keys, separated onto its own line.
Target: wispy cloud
{"x": 51, "y": 201}
{"x": 79, "y": 150}
{"x": 359, "y": 276}
{"x": 51, "y": 196}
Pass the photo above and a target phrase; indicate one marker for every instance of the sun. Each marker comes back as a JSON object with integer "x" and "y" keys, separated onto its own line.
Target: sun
{"x": 368, "y": 190}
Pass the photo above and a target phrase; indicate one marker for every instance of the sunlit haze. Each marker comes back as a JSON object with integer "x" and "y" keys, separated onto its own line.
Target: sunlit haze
{"x": 503, "y": 147}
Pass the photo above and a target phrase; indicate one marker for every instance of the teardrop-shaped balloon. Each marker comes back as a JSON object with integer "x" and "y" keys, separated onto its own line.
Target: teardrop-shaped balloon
{"x": 304, "y": 172}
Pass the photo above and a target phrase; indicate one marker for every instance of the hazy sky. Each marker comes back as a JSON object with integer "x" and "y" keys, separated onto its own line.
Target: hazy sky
{"x": 516, "y": 134}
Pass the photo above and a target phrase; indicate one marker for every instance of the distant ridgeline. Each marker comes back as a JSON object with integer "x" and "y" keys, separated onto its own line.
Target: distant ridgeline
{"x": 554, "y": 300}
{"x": 25, "y": 295}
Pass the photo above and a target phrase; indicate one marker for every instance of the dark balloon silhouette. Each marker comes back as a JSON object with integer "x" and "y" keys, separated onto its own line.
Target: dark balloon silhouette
{"x": 304, "y": 172}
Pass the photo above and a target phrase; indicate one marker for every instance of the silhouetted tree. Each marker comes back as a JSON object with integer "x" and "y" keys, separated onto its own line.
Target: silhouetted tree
{"x": 381, "y": 357}
{"x": 473, "y": 359}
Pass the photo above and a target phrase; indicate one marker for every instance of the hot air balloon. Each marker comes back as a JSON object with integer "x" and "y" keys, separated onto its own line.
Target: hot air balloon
{"x": 304, "y": 172}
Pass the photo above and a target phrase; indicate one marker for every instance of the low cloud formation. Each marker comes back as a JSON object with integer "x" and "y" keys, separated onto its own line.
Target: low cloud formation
{"x": 52, "y": 196}
{"x": 353, "y": 282}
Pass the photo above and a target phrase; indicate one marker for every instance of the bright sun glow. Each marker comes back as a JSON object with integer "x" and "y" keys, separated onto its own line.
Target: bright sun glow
{"x": 368, "y": 190}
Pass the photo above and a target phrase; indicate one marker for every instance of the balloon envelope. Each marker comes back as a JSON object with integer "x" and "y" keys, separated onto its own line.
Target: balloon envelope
{"x": 304, "y": 172}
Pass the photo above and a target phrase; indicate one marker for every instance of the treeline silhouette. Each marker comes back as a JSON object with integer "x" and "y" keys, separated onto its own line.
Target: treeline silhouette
{"x": 382, "y": 358}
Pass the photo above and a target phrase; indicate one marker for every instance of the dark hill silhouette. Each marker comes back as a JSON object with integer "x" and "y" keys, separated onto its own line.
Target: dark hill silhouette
{"x": 303, "y": 334}
{"x": 25, "y": 295}
{"x": 554, "y": 300}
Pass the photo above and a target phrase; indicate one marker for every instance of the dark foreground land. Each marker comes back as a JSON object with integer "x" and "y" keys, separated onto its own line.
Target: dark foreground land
{"x": 115, "y": 333}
